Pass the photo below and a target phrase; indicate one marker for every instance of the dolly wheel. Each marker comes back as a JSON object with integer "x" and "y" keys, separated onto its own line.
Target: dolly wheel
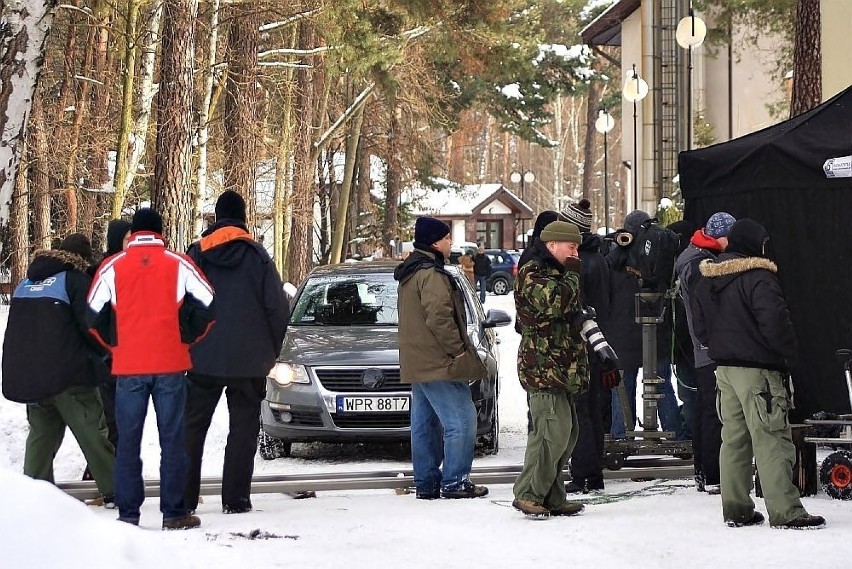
{"x": 835, "y": 474}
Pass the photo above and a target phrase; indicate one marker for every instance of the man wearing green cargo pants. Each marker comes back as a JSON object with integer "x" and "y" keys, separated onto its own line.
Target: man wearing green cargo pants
{"x": 552, "y": 367}
{"x": 52, "y": 363}
{"x": 740, "y": 314}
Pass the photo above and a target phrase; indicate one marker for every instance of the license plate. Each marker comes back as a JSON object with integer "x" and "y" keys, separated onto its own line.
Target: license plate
{"x": 372, "y": 404}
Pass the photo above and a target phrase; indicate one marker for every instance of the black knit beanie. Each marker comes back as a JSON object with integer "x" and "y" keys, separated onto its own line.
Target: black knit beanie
{"x": 146, "y": 219}
{"x": 116, "y": 230}
{"x": 428, "y": 231}
{"x": 78, "y": 244}
{"x": 747, "y": 237}
{"x": 544, "y": 218}
{"x": 231, "y": 205}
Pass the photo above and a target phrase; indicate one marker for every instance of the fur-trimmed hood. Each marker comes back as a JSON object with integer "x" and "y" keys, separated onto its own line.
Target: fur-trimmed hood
{"x": 734, "y": 266}
{"x": 48, "y": 262}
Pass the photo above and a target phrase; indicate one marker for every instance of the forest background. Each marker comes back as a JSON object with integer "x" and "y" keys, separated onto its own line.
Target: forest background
{"x": 173, "y": 101}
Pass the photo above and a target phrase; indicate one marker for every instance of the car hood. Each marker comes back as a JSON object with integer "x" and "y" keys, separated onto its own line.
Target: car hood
{"x": 341, "y": 345}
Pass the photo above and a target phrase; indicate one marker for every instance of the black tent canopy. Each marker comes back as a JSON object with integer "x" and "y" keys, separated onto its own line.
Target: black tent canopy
{"x": 775, "y": 176}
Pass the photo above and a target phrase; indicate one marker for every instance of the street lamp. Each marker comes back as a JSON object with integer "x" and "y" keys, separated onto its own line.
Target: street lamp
{"x": 690, "y": 34}
{"x": 603, "y": 124}
{"x": 635, "y": 89}
{"x": 526, "y": 178}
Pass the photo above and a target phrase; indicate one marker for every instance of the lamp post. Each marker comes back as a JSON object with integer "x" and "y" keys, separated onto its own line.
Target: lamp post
{"x": 603, "y": 124}
{"x": 526, "y": 178}
{"x": 635, "y": 89}
{"x": 690, "y": 34}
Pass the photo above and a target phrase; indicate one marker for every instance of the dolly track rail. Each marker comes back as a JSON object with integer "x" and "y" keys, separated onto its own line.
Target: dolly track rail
{"x": 390, "y": 479}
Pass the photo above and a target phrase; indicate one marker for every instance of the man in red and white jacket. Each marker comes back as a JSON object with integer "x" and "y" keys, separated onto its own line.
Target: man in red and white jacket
{"x": 147, "y": 305}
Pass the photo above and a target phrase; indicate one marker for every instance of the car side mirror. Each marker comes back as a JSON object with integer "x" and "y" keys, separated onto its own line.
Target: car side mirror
{"x": 496, "y": 318}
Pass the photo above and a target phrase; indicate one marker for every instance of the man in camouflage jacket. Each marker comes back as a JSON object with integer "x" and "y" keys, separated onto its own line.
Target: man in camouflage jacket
{"x": 552, "y": 367}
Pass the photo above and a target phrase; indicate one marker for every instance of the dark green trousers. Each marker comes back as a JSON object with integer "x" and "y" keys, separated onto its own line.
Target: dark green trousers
{"x": 752, "y": 405}
{"x": 549, "y": 444}
{"x": 80, "y": 409}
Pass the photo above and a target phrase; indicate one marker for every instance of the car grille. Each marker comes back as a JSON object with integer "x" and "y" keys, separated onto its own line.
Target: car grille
{"x": 301, "y": 417}
{"x": 372, "y": 421}
{"x": 348, "y": 380}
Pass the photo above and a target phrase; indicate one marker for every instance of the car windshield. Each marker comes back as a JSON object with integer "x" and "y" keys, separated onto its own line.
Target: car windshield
{"x": 347, "y": 300}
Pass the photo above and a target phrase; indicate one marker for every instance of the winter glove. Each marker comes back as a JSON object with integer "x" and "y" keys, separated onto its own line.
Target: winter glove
{"x": 610, "y": 376}
{"x": 573, "y": 264}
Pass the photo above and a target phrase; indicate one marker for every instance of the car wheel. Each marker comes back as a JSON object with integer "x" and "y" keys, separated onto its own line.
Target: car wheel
{"x": 500, "y": 286}
{"x": 271, "y": 447}
{"x": 489, "y": 443}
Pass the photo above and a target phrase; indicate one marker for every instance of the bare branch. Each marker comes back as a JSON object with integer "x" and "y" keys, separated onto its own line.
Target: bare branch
{"x": 345, "y": 116}
{"x": 293, "y": 51}
{"x": 290, "y": 20}
{"x": 284, "y": 64}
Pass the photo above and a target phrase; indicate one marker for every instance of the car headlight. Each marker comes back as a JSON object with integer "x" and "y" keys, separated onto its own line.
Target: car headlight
{"x": 284, "y": 374}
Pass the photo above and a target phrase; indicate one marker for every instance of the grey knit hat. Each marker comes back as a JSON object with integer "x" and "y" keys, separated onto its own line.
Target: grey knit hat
{"x": 634, "y": 219}
{"x": 561, "y": 231}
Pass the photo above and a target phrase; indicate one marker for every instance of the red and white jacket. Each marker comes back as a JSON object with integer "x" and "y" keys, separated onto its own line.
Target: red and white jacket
{"x": 147, "y": 305}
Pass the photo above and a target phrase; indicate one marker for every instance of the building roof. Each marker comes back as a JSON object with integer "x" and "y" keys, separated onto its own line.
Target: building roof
{"x": 454, "y": 200}
{"x": 606, "y": 28}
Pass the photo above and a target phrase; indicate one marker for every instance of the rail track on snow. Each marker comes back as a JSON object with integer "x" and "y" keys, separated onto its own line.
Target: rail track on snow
{"x": 391, "y": 479}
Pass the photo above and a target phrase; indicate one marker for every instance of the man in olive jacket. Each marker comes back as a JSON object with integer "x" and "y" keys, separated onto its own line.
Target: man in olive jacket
{"x": 438, "y": 359}
{"x": 552, "y": 367}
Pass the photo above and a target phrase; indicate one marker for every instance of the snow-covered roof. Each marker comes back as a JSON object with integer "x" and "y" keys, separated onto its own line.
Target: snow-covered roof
{"x": 450, "y": 199}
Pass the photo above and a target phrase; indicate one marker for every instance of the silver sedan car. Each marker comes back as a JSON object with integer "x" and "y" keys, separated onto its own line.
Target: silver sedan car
{"x": 337, "y": 378}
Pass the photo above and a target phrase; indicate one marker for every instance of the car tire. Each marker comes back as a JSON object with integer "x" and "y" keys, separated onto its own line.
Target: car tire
{"x": 500, "y": 286}
{"x": 489, "y": 443}
{"x": 270, "y": 447}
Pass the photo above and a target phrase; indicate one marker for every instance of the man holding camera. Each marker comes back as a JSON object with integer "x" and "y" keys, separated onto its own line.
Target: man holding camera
{"x": 552, "y": 367}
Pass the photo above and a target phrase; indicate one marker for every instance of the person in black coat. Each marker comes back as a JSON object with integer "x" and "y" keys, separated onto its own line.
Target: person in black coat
{"x": 53, "y": 365}
{"x": 625, "y": 337}
{"x": 237, "y": 354}
{"x": 481, "y": 271}
{"x": 739, "y": 313}
{"x": 587, "y": 456}
{"x": 118, "y": 232}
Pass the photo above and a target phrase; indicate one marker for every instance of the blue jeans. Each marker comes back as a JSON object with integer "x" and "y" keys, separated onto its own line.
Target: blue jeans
{"x": 443, "y": 429}
{"x": 666, "y": 407}
{"x": 131, "y": 405}
{"x": 482, "y": 283}
{"x": 687, "y": 392}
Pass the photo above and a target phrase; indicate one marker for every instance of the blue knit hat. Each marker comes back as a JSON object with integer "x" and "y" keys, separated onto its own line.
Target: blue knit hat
{"x": 428, "y": 231}
{"x": 719, "y": 225}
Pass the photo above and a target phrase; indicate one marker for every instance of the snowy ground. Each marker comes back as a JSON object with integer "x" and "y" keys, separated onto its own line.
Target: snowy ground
{"x": 663, "y": 524}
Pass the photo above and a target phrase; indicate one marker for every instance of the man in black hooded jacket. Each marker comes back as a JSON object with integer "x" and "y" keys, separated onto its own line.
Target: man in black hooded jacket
{"x": 237, "y": 354}
{"x": 53, "y": 364}
{"x": 740, "y": 314}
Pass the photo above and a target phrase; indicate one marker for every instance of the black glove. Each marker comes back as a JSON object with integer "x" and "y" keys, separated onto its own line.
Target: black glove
{"x": 573, "y": 264}
{"x": 610, "y": 376}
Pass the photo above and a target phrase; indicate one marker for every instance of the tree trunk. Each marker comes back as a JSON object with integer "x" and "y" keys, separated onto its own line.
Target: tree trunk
{"x": 147, "y": 90}
{"x": 304, "y": 168}
{"x": 19, "y": 224}
{"x": 22, "y": 43}
{"x": 39, "y": 179}
{"x": 393, "y": 182}
{"x": 204, "y": 117}
{"x": 120, "y": 184}
{"x": 170, "y": 192}
{"x": 242, "y": 106}
{"x": 590, "y": 146}
{"x": 365, "y": 215}
{"x": 337, "y": 245}
{"x": 807, "y": 58}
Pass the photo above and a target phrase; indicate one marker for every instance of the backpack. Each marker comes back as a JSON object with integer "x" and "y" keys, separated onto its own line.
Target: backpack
{"x": 652, "y": 255}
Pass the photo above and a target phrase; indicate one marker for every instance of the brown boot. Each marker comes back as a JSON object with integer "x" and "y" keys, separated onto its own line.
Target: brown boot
{"x": 568, "y": 509}
{"x": 187, "y": 522}
{"x": 531, "y": 509}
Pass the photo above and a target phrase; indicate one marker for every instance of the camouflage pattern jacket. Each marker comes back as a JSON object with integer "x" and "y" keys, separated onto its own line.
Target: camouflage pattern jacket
{"x": 552, "y": 354}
